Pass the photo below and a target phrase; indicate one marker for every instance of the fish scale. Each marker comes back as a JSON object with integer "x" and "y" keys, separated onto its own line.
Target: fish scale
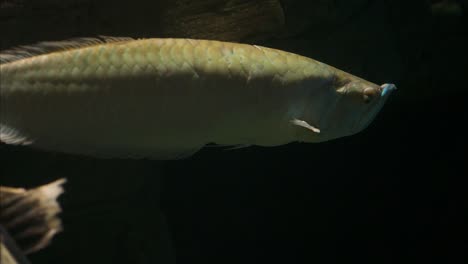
{"x": 167, "y": 98}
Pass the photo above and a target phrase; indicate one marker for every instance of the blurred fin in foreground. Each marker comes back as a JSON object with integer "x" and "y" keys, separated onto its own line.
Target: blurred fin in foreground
{"x": 30, "y": 216}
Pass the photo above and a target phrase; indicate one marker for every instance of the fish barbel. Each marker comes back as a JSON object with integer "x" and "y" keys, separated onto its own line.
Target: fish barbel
{"x": 167, "y": 98}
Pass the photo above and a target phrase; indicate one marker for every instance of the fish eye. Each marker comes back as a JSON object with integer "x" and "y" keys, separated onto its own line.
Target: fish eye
{"x": 369, "y": 94}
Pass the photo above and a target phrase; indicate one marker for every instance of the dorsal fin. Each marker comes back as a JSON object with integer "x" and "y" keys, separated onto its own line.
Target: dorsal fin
{"x": 46, "y": 47}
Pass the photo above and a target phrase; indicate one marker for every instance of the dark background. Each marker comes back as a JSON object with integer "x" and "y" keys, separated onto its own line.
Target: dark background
{"x": 394, "y": 193}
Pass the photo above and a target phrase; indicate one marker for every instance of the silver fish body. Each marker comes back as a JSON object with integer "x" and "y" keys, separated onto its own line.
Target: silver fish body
{"x": 167, "y": 98}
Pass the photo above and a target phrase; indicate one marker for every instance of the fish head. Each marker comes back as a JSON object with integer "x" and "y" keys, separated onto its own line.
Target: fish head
{"x": 357, "y": 104}
{"x": 348, "y": 109}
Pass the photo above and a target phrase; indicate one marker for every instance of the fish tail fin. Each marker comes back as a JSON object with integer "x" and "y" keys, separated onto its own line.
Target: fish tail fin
{"x": 30, "y": 216}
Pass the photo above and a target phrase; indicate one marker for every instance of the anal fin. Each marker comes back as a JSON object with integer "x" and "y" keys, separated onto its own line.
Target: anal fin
{"x": 138, "y": 153}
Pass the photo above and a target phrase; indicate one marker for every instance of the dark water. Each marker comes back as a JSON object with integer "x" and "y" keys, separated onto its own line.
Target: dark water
{"x": 395, "y": 192}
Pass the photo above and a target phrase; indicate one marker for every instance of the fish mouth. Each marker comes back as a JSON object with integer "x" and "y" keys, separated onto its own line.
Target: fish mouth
{"x": 387, "y": 88}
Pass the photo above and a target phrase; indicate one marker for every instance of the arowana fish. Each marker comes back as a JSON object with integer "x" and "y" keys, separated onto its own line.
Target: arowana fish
{"x": 167, "y": 98}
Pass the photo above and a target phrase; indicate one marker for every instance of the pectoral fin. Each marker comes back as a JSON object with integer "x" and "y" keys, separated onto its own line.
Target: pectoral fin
{"x": 304, "y": 124}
